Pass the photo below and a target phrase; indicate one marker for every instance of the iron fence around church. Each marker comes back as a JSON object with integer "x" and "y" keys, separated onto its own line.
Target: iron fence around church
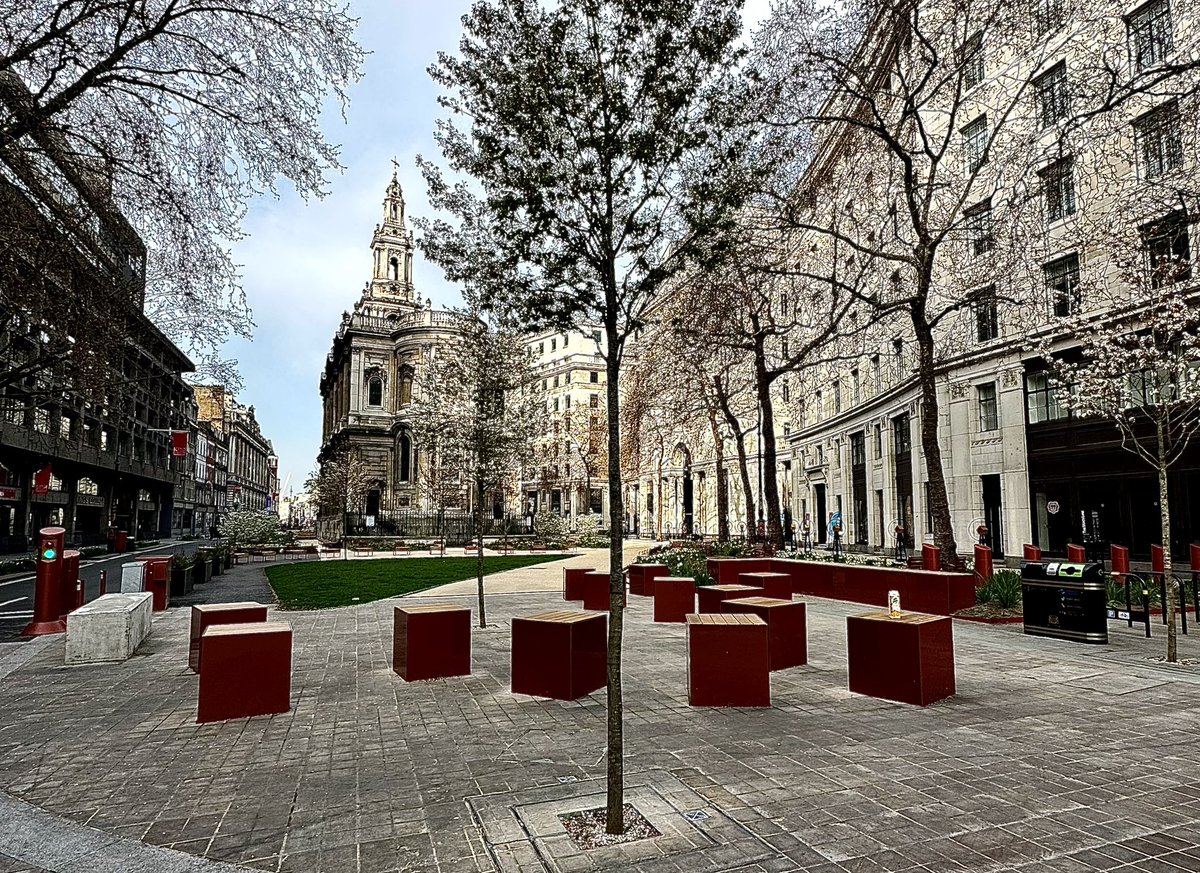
{"x": 455, "y": 527}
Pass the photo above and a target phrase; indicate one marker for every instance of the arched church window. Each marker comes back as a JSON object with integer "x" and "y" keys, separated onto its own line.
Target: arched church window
{"x": 406, "y": 380}
{"x": 375, "y": 391}
{"x": 405, "y": 458}
{"x": 393, "y": 269}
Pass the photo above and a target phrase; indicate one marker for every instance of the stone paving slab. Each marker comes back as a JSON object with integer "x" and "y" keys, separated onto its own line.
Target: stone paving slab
{"x": 1053, "y": 756}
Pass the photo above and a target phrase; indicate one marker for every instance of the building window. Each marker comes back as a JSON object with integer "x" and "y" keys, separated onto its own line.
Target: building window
{"x": 566, "y": 336}
{"x": 41, "y": 420}
{"x": 973, "y": 61}
{"x": 1168, "y": 250}
{"x": 553, "y": 343}
{"x": 876, "y": 374}
{"x": 856, "y": 386}
{"x": 878, "y": 441}
{"x": 989, "y": 418}
{"x": 405, "y": 458}
{"x": 785, "y": 391}
{"x": 64, "y": 427}
{"x": 975, "y": 137}
{"x": 1062, "y": 285}
{"x": 594, "y": 377}
{"x": 1151, "y": 34}
{"x": 596, "y": 336}
{"x": 1159, "y": 143}
{"x": 375, "y": 391}
{"x": 555, "y": 381}
{"x": 837, "y": 396}
{"x": 594, "y": 401}
{"x": 1048, "y": 15}
{"x": 980, "y": 239}
{"x": 1041, "y": 399}
{"x": 901, "y": 439}
{"x": 1053, "y": 99}
{"x": 987, "y": 325}
{"x": 818, "y": 405}
{"x": 1058, "y": 184}
{"x": 556, "y": 404}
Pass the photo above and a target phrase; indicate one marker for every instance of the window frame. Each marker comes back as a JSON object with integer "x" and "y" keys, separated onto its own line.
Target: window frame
{"x": 1059, "y": 178}
{"x": 1072, "y": 292}
{"x": 1162, "y": 126}
{"x": 988, "y": 407}
{"x": 1054, "y": 98}
{"x": 975, "y": 131}
{"x": 1140, "y": 23}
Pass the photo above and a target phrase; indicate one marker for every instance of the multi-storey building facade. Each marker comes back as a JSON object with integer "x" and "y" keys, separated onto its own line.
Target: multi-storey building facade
{"x": 250, "y": 469}
{"x": 378, "y": 352}
{"x": 569, "y": 473}
{"x": 85, "y": 426}
{"x": 1068, "y": 218}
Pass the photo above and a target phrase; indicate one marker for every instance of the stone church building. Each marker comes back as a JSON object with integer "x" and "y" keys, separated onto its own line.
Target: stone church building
{"x": 378, "y": 350}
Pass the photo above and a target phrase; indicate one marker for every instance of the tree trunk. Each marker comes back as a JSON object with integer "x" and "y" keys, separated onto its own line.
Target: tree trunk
{"x": 615, "y": 817}
{"x": 658, "y": 499}
{"x": 739, "y": 442}
{"x": 1164, "y": 511}
{"x": 479, "y": 554}
{"x": 770, "y": 484}
{"x": 722, "y": 482}
{"x": 931, "y": 448}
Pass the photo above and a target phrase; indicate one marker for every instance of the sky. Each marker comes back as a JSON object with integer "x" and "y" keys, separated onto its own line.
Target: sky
{"x": 304, "y": 263}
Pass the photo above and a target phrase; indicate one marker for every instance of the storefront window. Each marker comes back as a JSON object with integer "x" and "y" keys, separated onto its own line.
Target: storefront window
{"x": 1041, "y": 399}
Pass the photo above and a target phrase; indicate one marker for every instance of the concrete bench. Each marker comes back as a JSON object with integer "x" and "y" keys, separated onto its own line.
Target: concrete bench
{"x": 109, "y": 628}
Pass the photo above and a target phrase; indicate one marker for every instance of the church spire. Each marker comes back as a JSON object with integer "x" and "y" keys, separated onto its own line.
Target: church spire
{"x": 392, "y": 247}
{"x": 393, "y": 200}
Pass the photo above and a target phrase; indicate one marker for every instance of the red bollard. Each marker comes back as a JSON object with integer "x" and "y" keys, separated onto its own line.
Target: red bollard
{"x": 983, "y": 562}
{"x": 1195, "y": 556}
{"x": 69, "y": 593}
{"x": 1076, "y": 554}
{"x": 931, "y": 557}
{"x": 1157, "y": 565}
{"x": 49, "y": 584}
{"x": 1032, "y": 553}
{"x": 103, "y": 582}
{"x": 1120, "y": 560}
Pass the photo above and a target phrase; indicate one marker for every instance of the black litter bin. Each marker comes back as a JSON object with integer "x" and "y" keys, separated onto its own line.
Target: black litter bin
{"x": 1065, "y": 601}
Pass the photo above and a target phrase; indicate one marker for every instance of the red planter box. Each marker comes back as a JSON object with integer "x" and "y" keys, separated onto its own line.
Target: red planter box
{"x": 775, "y": 585}
{"x": 561, "y": 654}
{"x": 787, "y": 628}
{"x": 209, "y": 614}
{"x": 246, "y": 670}
{"x": 909, "y": 659}
{"x": 728, "y": 662}
{"x": 642, "y": 576}
{"x": 573, "y": 582}
{"x": 674, "y": 598}
{"x": 710, "y": 597}
{"x": 725, "y": 570}
{"x": 596, "y": 592}
{"x": 939, "y": 593}
{"x": 431, "y": 642}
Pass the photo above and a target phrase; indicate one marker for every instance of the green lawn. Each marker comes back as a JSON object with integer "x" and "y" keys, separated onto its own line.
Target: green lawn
{"x": 322, "y": 584}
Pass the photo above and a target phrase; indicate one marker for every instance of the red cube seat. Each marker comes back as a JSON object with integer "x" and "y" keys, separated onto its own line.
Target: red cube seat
{"x": 208, "y": 614}
{"x": 728, "y": 662}
{"x": 561, "y": 654}
{"x": 787, "y": 627}
{"x": 245, "y": 670}
{"x": 596, "y": 592}
{"x": 909, "y": 658}
{"x": 674, "y": 598}
{"x": 777, "y": 586}
{"x": 431, "y": 641}
{"x": 573, "y": 582}
{"x": 642, "y": 576}
{"x": 710, "y": 597}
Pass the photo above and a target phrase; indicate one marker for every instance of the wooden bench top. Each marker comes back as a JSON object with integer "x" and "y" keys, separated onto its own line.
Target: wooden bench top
{"x": 766, "y": 575}
{"x": 562, "y": 616}
{"x": 645, "y": 566}
{"x": 228, "y": 607}
{"x": 433, "y": 607}
{"x": 723, "y": 618}
{"x": 687, "y": 579}
{"x": 761, "y": 601}
{"x": 733, "y": 588}
{"x": 903, "y": 618}
{"x": 252, "y": 627}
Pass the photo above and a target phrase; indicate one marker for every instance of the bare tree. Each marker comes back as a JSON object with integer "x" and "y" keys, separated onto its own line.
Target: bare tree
{"x": 178, "y": 112}
{"x": 340, "y": 486}
{"x": 476, "y": 414}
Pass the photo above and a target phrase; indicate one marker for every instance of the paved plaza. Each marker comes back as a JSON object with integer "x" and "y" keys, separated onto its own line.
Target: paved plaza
{"x": 1052, "y": 757}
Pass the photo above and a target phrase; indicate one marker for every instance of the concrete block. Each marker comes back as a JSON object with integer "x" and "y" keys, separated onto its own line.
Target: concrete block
{"x": 109, "y": 628}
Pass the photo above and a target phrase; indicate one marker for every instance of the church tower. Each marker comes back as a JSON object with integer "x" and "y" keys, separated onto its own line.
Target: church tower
{"x": 392, "y": 249}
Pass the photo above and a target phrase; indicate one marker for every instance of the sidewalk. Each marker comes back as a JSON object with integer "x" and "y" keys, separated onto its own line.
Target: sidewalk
{"x": 1052, "y": 757}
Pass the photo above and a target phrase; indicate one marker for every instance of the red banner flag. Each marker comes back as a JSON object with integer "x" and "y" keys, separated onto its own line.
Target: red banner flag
{"x": 41, "y": 481}
{"x": 179, "y": 443}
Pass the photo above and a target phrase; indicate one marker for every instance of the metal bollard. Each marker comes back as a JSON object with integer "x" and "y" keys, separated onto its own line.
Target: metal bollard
{"x": 103, "y": 582}
{"x": 1146, "y": 607}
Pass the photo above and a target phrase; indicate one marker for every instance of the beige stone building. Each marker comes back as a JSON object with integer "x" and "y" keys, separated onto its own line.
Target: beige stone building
{"x": 380, "y": 346}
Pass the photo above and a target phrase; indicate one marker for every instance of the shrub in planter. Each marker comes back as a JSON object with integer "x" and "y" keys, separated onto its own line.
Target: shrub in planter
{"x": 183, "y": 575}
{"x": 1002, "y": 590}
